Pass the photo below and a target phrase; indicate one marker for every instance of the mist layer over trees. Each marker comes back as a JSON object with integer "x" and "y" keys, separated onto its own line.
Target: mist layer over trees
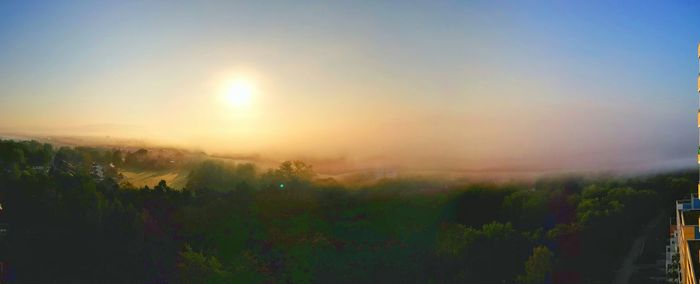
{"x": 237, "y": 224}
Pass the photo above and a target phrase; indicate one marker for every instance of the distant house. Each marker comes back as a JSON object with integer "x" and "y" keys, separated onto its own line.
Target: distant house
{"x": 40, "y": 169}
{"x": 64, "y": 167}
{"x": 97, "y": 171}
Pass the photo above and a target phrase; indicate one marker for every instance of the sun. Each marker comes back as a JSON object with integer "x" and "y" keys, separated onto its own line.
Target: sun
{"x": 239, "y": 92}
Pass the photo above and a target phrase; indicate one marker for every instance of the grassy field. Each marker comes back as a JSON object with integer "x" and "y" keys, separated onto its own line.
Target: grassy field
{"x": 175, "y": 178}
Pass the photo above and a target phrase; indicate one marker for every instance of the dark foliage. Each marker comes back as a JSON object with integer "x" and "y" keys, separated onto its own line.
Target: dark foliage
{"x": 233, "y": 224}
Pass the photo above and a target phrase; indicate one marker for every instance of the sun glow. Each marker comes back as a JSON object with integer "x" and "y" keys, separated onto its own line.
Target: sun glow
{"x": 239, "y": 92}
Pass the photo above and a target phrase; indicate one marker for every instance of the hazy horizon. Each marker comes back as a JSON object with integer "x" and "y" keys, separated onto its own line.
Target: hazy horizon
{"x": 433, "y": 85}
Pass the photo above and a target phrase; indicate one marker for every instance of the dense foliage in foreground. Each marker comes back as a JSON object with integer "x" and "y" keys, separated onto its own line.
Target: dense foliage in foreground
{"x": 234, "y": 224}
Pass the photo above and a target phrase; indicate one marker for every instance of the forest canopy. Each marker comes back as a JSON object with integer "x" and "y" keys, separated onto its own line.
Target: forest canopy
{"x": 236, "y": 223}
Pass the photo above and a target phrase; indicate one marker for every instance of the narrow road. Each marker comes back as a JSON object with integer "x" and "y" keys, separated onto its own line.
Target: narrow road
{"x": 628, "y": 264}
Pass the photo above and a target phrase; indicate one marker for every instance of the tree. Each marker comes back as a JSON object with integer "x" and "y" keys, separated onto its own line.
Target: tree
{"x": 195, "y": 267}
{"x": 538, "y": 267}
{"x": 290, "y": 174}
{"x": 136, "y": 159}
{"x": 221, "y": 177}
{"x": 117, "y": 158}
{"x": 162, "y": 186}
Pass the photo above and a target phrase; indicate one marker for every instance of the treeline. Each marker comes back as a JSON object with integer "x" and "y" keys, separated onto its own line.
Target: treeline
{"x": 15, "y": 156}
{"x": 237, "y": 224}
{"x": 18, "y": 156}
{"x": 143, "y": 159}
{"x": 565, "y": 230}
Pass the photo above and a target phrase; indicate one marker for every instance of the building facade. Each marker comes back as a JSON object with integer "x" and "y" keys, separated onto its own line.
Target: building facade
{"x": 683, "y": 251}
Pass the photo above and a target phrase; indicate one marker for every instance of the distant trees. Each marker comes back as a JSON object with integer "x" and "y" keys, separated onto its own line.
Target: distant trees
{"x": 145, "y": 160}
{"x": 289, "y": 175}
{"x": 24, "y": 154}
{"x": 137, "y": 158}
{"x": 217, "y": 176}
{"x": 117, "y": 158}
{"x": 221, "y": 177}
{"x": 38, "y": 154}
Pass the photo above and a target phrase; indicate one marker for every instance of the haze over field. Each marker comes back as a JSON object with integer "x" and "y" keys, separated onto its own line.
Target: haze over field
{"x": 467, "y": 85}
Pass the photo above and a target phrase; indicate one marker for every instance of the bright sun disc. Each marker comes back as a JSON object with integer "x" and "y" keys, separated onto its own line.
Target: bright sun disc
{"x": 239, "y": 93}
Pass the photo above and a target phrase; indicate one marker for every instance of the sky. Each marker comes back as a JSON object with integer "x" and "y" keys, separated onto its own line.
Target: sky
{"x": 459, "y": 85}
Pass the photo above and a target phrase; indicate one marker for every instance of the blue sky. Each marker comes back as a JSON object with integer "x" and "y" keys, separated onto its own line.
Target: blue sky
{"x": 454, "y": 84}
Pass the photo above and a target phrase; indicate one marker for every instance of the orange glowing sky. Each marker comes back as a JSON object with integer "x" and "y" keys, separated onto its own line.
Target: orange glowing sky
{"x": 434, "y": 84}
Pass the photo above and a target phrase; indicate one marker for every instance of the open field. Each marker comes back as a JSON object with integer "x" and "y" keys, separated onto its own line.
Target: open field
{"x": 175, "y": 178}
